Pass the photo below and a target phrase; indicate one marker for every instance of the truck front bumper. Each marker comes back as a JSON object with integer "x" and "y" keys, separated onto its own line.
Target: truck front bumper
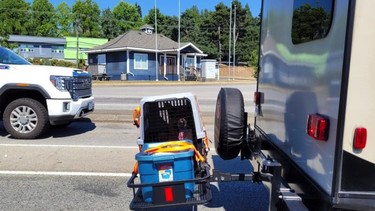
{"x": 65, "y": 110}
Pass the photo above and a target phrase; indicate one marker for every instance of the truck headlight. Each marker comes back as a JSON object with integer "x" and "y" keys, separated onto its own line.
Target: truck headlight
{"x": 60, "y": 82}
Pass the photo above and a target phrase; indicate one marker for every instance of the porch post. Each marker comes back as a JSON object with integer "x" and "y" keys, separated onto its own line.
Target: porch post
{"x": 184, "y": 64}
{"x": 195, "y": 61}
{"x": 165, "y": 64}
{"x": 127, "y": 62}
{"x": 178, "y": 64}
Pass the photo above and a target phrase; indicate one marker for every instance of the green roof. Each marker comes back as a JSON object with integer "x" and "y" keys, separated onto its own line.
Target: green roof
{"x": 84, "y": 43}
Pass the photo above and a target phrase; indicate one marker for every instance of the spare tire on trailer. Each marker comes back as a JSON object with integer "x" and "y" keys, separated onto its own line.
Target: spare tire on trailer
{"x": 229, "y": 123}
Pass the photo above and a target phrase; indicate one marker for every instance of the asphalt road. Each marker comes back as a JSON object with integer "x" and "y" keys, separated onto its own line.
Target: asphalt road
{"x": 86, "y": 165}
{"x": 116, "y": 103}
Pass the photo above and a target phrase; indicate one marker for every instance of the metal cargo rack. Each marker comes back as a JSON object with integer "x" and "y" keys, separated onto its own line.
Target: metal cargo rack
{"x": 163, "y": 119}
{"x": 202, "y": 192}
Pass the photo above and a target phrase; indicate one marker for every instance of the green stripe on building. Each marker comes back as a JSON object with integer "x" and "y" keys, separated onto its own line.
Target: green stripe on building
{"x": 84, "y": 43}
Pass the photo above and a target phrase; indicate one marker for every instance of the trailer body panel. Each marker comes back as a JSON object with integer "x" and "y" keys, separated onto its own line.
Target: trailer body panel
{"x": 298, "y": 80}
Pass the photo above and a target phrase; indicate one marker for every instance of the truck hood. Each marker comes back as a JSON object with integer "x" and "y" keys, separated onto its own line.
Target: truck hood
{"x": 51, "y": 70}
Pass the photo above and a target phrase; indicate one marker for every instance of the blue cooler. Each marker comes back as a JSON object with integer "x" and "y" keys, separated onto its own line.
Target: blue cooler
{"x": 165, "y": 167}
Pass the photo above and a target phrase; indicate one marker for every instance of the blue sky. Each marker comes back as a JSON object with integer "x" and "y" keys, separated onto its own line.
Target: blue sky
{"x": 169, "y": 7}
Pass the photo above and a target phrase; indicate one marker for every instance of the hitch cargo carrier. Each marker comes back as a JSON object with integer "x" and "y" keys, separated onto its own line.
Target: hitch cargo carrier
{"x": 171, "y": 168}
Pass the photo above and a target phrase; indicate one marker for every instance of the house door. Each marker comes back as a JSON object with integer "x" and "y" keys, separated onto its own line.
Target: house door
{"x": 170, "y": 65}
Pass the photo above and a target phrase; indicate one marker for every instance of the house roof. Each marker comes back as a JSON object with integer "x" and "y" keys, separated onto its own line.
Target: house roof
{"x": 35, "y": 39}
{"x": 141, "y": 41}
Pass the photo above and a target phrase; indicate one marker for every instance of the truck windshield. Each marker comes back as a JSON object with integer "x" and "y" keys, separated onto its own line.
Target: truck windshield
{"x": 9, "y": 57}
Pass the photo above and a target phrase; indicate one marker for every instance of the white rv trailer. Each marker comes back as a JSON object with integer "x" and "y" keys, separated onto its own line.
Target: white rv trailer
{"x": 315, "y": 102}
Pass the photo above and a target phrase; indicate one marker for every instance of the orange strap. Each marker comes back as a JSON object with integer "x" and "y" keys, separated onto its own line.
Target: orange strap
{"x": 135, "y": 168}
{"x": 205, "y": 141}
{"x": 136, "y": 116}
{"x": 176, "y": 146}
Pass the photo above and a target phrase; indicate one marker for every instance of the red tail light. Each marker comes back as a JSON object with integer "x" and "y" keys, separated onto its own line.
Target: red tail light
{"x": 318, "y": 127}
{"x": 360, "y": 138}
{"x": 258, "y": 98}
{"x": 168, "y": 192}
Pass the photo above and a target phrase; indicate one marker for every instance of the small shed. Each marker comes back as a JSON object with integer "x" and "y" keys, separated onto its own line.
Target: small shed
{"x": 210, "y": 69}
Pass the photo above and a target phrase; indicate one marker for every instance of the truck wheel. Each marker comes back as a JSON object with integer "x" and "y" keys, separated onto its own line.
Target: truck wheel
{"x": 229, "y": 123}
{"x": 25, "y": 118}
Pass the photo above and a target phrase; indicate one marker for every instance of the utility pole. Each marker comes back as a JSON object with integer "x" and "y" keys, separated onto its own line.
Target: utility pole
{"x": 220, "y": 53}
{"x": 230, "y": 38}
{"x": 234, "y": 40}
{"x": 77, "y": 22}
{"x": 179, "y": 45}
{"x": 156, "y": 47}
{"x": 219, "y": 31}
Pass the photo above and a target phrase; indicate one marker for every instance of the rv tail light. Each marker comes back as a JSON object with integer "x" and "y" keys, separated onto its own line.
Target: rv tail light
{"x": 360, "y": 138}
{"x": 258, "y": 98}
{"x": 318, "y": 127}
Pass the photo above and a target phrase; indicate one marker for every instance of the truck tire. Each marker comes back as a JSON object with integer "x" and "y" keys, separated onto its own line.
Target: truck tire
{"x": 25, "y": 118}
{"x": 229, "y": 123}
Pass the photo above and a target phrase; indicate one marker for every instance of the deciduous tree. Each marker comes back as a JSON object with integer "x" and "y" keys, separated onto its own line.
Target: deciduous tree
{"x": 86, "y": 15}
{"x": 166, "y": 25}
{"x": 127, "y": 17}
{"x": 13, "y": 16}
{"x": 64, "y": 19}
{"x": 42, "y": 20}
{"x": 108, "y": 24}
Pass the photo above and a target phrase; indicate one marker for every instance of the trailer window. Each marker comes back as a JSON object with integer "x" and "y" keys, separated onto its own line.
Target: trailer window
{"x": 311, "y": 20}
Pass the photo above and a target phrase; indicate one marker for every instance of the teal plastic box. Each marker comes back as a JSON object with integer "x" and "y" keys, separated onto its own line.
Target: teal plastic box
{"x": 165, "y": 167}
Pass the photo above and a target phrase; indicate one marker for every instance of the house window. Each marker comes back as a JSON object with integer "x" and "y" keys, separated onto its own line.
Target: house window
{"x": 101, "y": 58}
{"x": 26, "y": 48}
{"x": 140, "y": 61}
{"x": 57, "y": 49}
{"x": 311, "y": 20}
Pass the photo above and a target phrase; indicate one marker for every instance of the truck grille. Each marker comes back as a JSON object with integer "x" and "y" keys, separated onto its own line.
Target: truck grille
{"x": 80, "y": 87}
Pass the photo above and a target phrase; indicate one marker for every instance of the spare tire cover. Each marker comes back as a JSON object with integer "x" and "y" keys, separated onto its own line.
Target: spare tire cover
{"x": 229, "y": 123}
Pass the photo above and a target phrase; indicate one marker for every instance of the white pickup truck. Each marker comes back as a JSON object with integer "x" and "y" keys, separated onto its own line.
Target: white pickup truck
{"x": 33, "y": 97}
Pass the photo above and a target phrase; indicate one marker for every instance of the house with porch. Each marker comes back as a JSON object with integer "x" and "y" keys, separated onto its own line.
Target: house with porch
{"x": 143, "y": 55}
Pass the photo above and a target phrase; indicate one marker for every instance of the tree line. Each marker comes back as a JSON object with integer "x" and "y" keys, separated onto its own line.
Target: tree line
{"x": 208, "y": 30}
